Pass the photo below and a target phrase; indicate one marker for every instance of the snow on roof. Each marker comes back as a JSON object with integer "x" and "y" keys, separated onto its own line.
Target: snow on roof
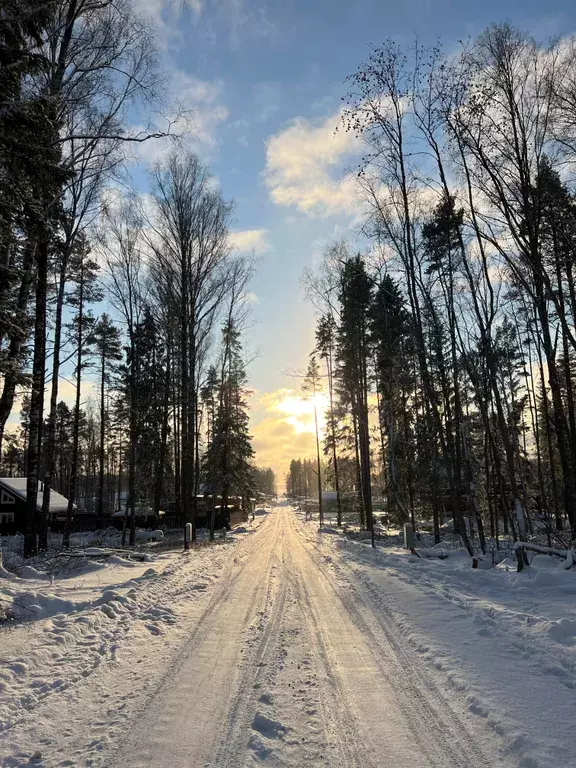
{"x": 17, "y": 485}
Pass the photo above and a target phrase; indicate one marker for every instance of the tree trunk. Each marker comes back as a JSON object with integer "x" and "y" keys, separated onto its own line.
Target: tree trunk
{"x": 12, "y": 364}
{"x": 559, "y": 419}
{"x": 133, "y": 439}
{"x": 76, "y": 426}
{"x": 333, "y": 430}
{"x": 102, "y": 435}
{"x": 158, "y": 486}
{"x": 318, "y": 466}
{"x": 51, "y": 427}
{"x": 36, "y": 400}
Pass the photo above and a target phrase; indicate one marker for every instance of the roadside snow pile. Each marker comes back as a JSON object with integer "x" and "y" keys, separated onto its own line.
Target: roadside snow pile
{"x": 36, "y": 605}
{"x": 26, "y": 596}
{"x": 58, "y": 631}
{"x": 149, "y": 535}
{"x": 70, "y": 626}
{"x": 543, "y": 592}
{"x": 249, "y": 526}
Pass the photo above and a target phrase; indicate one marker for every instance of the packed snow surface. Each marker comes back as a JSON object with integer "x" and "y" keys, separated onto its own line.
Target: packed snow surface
{"x": 286, "y": 646}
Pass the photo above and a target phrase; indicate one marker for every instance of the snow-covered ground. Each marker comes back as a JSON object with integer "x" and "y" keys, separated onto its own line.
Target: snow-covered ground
{"x": 290, "y": 647}
{"x": 502, "y": 644}
{"x": 86, "y": 647}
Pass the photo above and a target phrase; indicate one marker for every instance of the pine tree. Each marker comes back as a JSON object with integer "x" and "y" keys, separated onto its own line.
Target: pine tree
{"x": 146, "y": 403}
{"x": 353, "y": 352}
{"x": 326, "y": 347}
{"x": 81, "y": 326}
{"x": 209, "y": 398}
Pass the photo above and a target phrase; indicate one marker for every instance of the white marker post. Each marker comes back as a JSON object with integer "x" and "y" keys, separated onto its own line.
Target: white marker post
{"x": 187, "y": 535}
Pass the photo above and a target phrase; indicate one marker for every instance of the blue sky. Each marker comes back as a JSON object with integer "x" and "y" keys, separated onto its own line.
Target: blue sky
{"x": 265, "y": 80}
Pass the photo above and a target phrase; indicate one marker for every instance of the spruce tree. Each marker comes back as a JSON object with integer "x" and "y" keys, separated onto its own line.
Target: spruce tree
{"x": 311, "y": 386}
{"x": 391, "y": 337}
{"x": 106, "y": 342}
{"x": 228, "y": 460}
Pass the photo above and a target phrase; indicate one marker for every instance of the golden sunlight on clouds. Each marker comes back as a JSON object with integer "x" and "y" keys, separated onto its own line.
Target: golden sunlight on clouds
{"x": 282, "y": 426}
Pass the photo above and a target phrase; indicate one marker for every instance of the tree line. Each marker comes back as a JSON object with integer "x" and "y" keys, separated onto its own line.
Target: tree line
{"x": 301, "y": 480}
{"x": 169, "y": 413}
{"x": 448, "y": 345}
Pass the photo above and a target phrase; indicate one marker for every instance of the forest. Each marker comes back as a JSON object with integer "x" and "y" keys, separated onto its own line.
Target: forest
{"x": 447, "y": 344}
{"x": 136, "y": 299}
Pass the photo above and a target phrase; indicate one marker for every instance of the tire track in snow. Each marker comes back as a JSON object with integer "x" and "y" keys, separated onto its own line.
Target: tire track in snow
{"x": 197, "y": 689}
{"x": 258, "y": 672}
{"x": 273, "y": 716}
{"x": 340, "y": 720}
{"x": 441, "y": 734}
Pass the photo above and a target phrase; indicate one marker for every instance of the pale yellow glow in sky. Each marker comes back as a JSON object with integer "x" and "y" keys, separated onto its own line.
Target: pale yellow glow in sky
{"x": 299, "y": 412}
{"x": 281, "y": 423}
{"x": 282, "y": 426}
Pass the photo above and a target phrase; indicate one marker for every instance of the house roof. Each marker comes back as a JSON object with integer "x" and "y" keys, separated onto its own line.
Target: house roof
{"x": 17, "y": 486}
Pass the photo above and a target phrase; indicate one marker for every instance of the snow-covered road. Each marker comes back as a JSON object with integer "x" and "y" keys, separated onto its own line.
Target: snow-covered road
{"x": 287, "y": 647}
{"x": 290, "y": 667}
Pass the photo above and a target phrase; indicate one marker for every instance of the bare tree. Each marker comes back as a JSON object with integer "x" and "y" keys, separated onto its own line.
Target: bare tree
{"x": 189, "y": 241}
{"x": 121, "y": 245}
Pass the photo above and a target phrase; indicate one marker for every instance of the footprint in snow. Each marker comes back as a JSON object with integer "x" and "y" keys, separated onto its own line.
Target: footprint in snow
{"x": 256, "y": 744}
{"x": 271, "y": 729}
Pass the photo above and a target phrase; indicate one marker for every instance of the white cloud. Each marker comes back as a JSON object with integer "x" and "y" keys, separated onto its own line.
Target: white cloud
{"x": 249, "y": 240}
{"x": 282, "y": 426}
{"x": 204, "y": 99}
{"x": 251, "y": 298}
{"x": 304, "y": 167}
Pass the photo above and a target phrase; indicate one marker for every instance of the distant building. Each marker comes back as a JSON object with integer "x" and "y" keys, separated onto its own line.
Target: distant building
{"x": 13, "y": 503}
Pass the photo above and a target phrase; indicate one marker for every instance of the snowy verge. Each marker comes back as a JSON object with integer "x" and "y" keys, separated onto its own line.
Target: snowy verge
{"x": 71, "y": 629}
{"x": 502, "y": 642}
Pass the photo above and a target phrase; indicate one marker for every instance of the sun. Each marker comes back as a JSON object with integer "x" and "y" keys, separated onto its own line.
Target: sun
{"x": 299, "y": 411}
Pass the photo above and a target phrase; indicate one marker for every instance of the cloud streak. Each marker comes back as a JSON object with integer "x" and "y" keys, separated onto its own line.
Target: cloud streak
{"x": 197, "y": 113}
{"x": 250, "y": 241}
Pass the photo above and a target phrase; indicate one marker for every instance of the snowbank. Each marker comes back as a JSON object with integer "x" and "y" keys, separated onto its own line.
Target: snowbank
{"x": 62, "y": 630}
{"x": 503, "y": 641}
